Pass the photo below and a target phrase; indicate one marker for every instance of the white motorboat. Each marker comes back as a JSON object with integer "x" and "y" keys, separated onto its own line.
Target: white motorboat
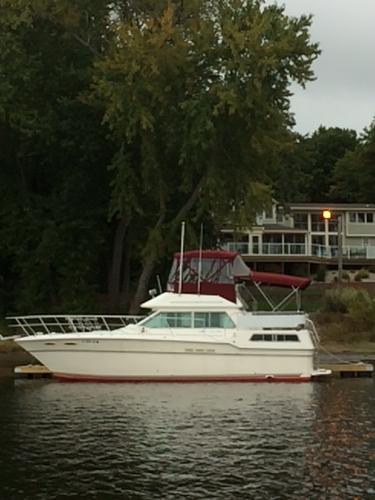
{"x": 200, "y": 332}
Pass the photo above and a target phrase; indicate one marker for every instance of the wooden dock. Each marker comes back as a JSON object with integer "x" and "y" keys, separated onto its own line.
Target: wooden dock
{"x": 349, "y": 369}
{"x": 344, "y": 370}
{"x": 32, "y": 371}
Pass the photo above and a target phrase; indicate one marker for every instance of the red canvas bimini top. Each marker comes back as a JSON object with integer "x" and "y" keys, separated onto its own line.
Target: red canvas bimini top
{"x": 282, "y": 280}
{"x": 240, "y": 270}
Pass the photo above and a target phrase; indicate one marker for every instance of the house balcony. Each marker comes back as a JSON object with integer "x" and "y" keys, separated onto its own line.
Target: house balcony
{"x": 320, "y": 252}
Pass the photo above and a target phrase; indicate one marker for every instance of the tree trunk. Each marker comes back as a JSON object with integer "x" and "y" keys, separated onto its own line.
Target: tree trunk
{"x": 144, "y": 279}
{"x": 116, "y": 265}
{"x": 125, "y": 302}
{"x": 151, "y": 259}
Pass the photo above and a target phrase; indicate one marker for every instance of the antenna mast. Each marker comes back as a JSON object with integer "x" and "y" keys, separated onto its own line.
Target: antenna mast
{"x": 181, "y": 256}
{"x": 200, "y": 260}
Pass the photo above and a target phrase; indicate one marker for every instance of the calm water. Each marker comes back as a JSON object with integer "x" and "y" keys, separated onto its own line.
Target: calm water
{"x": 182, "y": 441}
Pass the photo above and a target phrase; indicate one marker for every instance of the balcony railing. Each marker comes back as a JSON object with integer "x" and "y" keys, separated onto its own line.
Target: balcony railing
{"x": 300, "y": 249}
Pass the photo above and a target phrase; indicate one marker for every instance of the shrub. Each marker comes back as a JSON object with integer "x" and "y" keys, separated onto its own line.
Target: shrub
{"x": 348, "y": 315}
{"x": 361, "y": 275}
{"x": 341, "y": 300}
{"x": 321, "y": 274}
{"x": 362, "y": 310}
{"x": 346, "y": 276}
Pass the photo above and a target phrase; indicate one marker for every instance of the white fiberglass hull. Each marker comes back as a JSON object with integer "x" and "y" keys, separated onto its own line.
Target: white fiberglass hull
{"x": 146, "y": 359}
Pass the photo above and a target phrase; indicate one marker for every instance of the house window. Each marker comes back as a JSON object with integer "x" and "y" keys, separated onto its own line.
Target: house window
{"x": 272, "y": 244}
{"x": 333, "y": 241}
{"x": 255, "y": 245}
{"x": 268, "y": 214}
{"x": 361, "y": 217}
{"x": 279, "y": 215}
{"x": 332, "y": 226}
{"x": 300, "y": 221}
{"x": 294, "y": 244}
{"x": 317, "y": 224}
{"x": 318, "y": 246}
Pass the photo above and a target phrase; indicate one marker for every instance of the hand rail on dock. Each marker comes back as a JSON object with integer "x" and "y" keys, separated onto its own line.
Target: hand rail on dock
{"x": 73, "y": 323}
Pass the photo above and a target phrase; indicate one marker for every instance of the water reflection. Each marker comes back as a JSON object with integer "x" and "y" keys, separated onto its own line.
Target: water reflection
{"x": 184, "y": 441}
{"x": 340, "y": 456}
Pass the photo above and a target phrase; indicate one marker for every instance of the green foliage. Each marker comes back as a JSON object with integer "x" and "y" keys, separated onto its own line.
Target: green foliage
{"x": 197, "y": 98}
{"x": 327, "y": 146}
{"x": 186, "y": 102}
{"x": 347, "y": 300}
{"x": 345, "y": 276}
{"x": 308, "y": 164}
{"x": 354, "y": 174}
{"x": 348, "y": 315}
{"x": 361, "y": 275}
{"x": 53, "y": 180}
{"x": 340, "y": 299}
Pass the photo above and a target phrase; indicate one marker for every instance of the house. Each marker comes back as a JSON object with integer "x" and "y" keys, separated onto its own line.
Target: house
{"x": 298, "y": 240}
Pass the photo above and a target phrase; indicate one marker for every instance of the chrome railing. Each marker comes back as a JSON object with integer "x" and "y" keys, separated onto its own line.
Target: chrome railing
{"x": 35, "y": 325}
{"x": 314, "y": 332}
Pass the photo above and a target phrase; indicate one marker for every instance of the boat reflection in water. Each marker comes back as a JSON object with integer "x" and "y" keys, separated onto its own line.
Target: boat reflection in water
{"x": 199, "y": 330}
{"x": 237, "y": 441}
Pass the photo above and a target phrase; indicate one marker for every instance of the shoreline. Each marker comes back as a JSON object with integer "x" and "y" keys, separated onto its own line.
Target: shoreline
{"x": 9, "y": 360}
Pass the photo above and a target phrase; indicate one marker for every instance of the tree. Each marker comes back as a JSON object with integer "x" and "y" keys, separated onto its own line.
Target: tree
{"x": 292, "y": 178}
{"x": 54, "y": 153}
{"x": 197, "y": 98}
{"x": 306, "y": 168}
{"x": 327, "y": 145}
{"x": 354, "y": 174}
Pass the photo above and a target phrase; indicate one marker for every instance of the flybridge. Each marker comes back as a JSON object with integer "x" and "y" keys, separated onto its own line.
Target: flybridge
{"x": 216, "y": 272}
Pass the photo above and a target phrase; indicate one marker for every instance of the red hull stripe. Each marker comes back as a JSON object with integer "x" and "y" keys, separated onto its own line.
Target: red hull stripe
{"x": 173, "y": 379}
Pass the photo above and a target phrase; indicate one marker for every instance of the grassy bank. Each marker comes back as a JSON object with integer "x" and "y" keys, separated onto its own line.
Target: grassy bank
{"x": 346, "y": 320}
{"x": 339, "y": 333}
{"x": 12, "y": 355}
{"x": 7, "y": 346}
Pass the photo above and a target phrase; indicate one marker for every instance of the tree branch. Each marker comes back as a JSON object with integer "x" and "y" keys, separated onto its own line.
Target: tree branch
{"x": 188, "y": 204}
{"x": 85, "y": 44}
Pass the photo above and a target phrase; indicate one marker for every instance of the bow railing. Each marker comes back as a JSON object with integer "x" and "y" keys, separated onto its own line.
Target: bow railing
{"x": 35, "y": 325}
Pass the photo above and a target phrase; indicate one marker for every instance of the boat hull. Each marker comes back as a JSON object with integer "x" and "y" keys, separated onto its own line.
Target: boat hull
{"x": 144, "y": 360}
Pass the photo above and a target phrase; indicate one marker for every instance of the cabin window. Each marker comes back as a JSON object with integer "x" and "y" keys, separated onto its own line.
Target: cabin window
{"x": 212, "y": 320}
{"x": 170, "y": 320}
{"x": 267, "y": 337}
{"x": 189, "y": 320}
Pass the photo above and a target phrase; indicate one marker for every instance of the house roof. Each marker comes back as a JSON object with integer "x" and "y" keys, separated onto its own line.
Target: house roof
{"x": 348, "y": 207}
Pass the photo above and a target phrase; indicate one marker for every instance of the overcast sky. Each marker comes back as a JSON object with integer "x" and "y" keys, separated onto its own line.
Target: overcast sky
{"x": 343, "y": 94}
